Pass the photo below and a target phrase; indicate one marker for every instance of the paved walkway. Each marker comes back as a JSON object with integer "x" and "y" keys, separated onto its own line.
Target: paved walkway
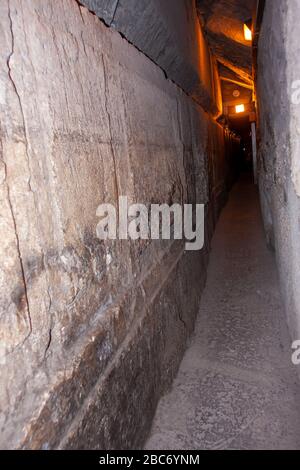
{"x": 236, "y": 387}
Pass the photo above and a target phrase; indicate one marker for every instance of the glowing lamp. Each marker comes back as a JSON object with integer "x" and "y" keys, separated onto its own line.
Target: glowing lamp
{"x": 240, "y": 108}
{"x": 247, "y": 33}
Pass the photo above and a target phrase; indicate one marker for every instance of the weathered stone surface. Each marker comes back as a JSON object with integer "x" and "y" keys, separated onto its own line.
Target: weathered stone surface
{"x": 104, "y": 9}
{"x": 90, "y": 330}
{"x": 279, "y": 149}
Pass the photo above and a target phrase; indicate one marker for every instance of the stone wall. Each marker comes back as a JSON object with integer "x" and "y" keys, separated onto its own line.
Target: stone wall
{"x": 169, "y": 33}
{"x": 278, "y": 71}
{"x": 91, "y": 332}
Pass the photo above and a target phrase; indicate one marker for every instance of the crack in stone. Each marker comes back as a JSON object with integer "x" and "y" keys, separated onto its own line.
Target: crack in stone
{"x": 8, "y": 189}
{"x": 115, "y": 12}
{"x": 29, "y": 185}
{"x": 110, "y": 133}
{"x": 80, "y": 6}
{"x": 15, "y": 87}
{"x": 21, "y": 263}
{"x": 50, "y": 327}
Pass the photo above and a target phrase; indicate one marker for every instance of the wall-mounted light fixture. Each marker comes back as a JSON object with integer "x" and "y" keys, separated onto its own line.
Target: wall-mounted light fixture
{"x": 240, "y": 108}
{"x": 248, "y": 30}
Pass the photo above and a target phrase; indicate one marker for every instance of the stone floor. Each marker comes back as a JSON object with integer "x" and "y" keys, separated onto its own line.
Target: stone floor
{"x": 236, "y": 387}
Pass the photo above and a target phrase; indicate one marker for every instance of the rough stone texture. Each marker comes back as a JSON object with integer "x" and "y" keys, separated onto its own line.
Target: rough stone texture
{"x": 169, "y": 33}
{"x": 91, "y": 333}
{"x": 105, "y": 9}
{"x": 279, "y": 149}
{"x": 236, "y": 387}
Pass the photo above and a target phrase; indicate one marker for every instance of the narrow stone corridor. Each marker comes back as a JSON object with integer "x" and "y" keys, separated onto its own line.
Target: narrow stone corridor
{"x": 149, "y": 181}
{"x": 236, "y": 387}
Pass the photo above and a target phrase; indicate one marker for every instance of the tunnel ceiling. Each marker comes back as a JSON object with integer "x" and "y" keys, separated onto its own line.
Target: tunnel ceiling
{"x": 223, "y": 22}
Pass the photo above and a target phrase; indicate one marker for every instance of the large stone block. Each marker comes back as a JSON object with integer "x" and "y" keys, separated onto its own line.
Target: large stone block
{"x": 169, "y": 33}
{"x": 92, "y": 332}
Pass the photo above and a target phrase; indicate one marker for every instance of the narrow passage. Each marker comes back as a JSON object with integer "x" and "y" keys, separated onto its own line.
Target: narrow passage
{"x": 236, "y": 387}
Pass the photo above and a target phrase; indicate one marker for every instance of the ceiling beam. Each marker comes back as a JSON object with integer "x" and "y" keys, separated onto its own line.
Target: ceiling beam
{"x": 237, "y": 82}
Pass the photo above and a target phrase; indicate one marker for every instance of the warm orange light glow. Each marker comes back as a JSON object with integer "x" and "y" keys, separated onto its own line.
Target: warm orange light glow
{"x": 240, "y": 108}
{"x": 247, "y": 33}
